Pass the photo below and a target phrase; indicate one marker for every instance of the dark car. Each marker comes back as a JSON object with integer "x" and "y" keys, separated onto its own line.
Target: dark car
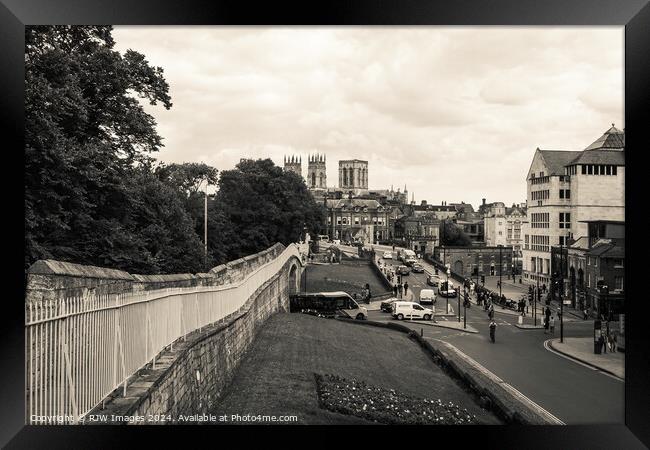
{"x": 387, "y": 305}
{"x": 433, "y": 280}
{"x": 417, "y": 268}
{"x": 402, "y": 270}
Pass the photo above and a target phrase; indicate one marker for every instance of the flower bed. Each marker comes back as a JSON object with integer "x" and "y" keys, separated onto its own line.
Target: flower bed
{"x": 356, "y": 398}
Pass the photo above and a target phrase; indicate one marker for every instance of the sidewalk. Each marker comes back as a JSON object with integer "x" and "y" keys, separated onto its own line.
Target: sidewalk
{"x": 582, "y": 350}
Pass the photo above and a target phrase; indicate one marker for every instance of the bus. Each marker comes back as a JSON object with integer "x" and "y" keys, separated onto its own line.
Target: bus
{"x": 329, "y": 304}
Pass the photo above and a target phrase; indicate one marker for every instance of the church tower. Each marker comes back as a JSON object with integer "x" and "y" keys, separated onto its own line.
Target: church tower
{"x": 293, "y": 164}
{"x": 316, "y": 174}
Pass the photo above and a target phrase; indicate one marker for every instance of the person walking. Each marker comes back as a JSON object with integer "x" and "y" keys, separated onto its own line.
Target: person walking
{"x": 552, "y": 325}
{"x": 493, "y": 327}
{"x": 395, "y": 290}
{"x": 491, "y": 312}
{"x": 406, "y": 287}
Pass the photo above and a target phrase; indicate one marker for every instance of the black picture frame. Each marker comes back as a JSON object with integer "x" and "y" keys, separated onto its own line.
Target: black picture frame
{"x": 633, "y": 14}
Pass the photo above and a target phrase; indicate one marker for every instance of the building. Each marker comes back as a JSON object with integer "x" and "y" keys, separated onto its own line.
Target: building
{"x": 475, "y": 261}
{"x": 440, "y": 212}
{"x": 567, "y": 189}
{"x": 316, "y": 173}
{"x": 353, "y": 175}
{"x": 353, "y": 219}
{"x": 420, "y": 233}
{"x": 590, "y": 262}
{"x": 503, "y": 226}
{"x": 293, "y": 164}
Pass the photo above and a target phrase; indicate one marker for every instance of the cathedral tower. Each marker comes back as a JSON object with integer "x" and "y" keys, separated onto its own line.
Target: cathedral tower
{"x": 316, "y": 175}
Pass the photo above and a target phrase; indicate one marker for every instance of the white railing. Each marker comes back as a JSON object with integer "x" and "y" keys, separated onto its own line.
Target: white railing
{"x": 80, "y": 349}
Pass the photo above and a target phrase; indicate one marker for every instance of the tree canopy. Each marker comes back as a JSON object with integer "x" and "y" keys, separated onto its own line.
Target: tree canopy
{"x": 95, "y": 195}
{"x": 452, "y": 234}
{"x": 258, "y": 204}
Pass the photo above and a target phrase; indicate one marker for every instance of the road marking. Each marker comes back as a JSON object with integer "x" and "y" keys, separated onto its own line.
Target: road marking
{"x": 595, "y": 369}
{"x": 508, "y": 387}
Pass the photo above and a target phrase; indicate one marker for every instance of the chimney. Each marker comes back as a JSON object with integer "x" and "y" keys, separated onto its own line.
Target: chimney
{"x": 483, "y": 202}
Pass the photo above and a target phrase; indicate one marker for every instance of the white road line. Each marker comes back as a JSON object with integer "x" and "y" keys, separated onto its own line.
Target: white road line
{"x": 508, "y": 387}
{"x": 595, "y": 369}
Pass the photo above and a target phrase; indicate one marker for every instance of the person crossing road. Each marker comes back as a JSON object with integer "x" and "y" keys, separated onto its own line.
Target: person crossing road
{"x": 493, "y": 327}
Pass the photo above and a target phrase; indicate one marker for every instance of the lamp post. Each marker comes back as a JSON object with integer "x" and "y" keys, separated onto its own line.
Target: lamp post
{"x": 500, "y": 268}
{"x": 205, "y": 226}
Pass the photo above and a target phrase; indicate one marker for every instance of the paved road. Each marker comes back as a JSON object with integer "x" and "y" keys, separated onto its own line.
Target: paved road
{"x": 574, "y": 393}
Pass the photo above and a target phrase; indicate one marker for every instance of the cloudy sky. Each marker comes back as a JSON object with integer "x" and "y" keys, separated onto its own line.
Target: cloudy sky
{"x": 455, "y": 113}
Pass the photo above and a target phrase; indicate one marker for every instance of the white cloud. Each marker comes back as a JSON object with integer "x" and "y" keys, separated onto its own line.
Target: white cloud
{"x": 453, "y": 112}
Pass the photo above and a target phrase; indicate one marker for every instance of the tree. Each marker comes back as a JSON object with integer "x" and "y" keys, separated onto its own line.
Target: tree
{"x": 452, "y": 234}
{"x": 87, "y": 146}
{"x": 259, "y": 204}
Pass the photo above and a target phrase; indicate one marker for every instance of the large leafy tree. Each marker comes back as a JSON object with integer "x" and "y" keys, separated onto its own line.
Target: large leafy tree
{"x": 90, "y": 196}
{"x": 259, "y": 204}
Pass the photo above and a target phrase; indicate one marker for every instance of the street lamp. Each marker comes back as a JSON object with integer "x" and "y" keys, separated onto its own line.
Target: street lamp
{"x": 205, "y": 225}
{"x": 500, "y": 268}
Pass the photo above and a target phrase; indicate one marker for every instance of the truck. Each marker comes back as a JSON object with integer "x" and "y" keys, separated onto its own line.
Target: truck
{"x": 406, "y": 254}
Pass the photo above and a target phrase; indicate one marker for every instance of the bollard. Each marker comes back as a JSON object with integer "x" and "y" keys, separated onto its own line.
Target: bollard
{"x": 521, "y": 320}
{"x": 421, "y": 332}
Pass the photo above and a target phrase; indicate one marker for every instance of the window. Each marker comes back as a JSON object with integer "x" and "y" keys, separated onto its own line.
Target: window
{"x": 618, "y": 263}
{"x": 584, "y": 169}
{"x": 338, "y": 221}
{"x": 618, "y": 283}
{"x": 613, "y": 170}
{"x": 539, "y": 220}
{"x": 356, "y": 220}
{"x": 329, "y": 220}
{"x": 567, "y": 193}
{"x": 500, "y": 233}
{"x": 561, "y": 193}
{"x": 563, "y": 240}
{"x": 565, "y": 220}
{"x": 590, "y": 169}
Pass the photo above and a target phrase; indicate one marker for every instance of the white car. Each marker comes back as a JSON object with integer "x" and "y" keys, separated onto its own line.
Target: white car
{"x": 427, "y": 296}
{"x": 388, "y": 255}
{"x": 411, "y": 310}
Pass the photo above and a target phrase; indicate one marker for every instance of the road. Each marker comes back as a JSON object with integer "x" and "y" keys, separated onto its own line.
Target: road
{"x": 574, "y": 393}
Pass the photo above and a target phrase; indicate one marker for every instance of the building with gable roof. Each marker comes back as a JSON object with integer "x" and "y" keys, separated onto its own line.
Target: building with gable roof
{"x": 565, "y": 190}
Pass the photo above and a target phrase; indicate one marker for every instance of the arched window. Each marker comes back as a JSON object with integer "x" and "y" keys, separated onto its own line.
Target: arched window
{"x": 313, "y": 178}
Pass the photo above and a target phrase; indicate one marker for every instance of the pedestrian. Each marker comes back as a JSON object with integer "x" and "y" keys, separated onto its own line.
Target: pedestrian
{"x": 545, "y": 325}
{"x": 395, "y": 290}
{"x": 614, "y": 341}
{"x": 493, "y": 327}
{"x": 585, "y": 316}
{"x": 552, "y": 325}
{"x": 603, "y": 335}
{"x": 406, "y": 287}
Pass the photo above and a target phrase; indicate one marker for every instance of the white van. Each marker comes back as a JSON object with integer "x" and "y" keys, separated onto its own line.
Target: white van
{"x": 411, "y": 310}
{"x": 407, "y": 254}
{"x": 427, "y": 296}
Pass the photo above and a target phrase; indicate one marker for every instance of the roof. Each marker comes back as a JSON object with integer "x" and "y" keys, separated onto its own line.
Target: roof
{"x": 363, "y": 203}
{"x": 555, "y": 160}
{"x": 612, "y": 139}
{"x": 581, "y": 243}
{"x": 605, "y": 249}
{"x": 609, "y": 157}
{"x": 515, "y": 210}
{"x": 434, "y": 208}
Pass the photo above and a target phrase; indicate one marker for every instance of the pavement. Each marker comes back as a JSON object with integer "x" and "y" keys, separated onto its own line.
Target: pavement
{"x": 582, "y": 350}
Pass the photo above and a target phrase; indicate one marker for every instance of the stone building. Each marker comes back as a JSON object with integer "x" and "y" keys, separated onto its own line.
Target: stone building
{"x": 354, "y": 219}
{"x": 565, "y": 190}
{"x": 476, "y": 261}
{"x": 316, "y": 173}
{"x": 503, "y": 226}
{"x": 596, "y": 258}
{"x": 293, "y": 164}
{"x": 419, "y": 233}
{"x": 353, "y": 175}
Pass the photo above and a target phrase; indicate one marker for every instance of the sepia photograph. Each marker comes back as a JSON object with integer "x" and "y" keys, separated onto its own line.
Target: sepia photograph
{"x": 324, "y": 225}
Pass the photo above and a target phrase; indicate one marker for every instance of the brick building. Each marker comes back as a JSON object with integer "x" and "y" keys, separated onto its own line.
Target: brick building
{"x": 473, "y": 261}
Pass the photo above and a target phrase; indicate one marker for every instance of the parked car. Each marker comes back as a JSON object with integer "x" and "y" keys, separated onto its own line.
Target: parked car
{"x": 411, "y": 310}
{"x": 387, "y": 305}
{"x": 427, "y": 296}
{"x": 388, "y": 255}
{"x": 433, "y": 280}
{"x": 402, "y": 270}
{"x": 417, "y": 268}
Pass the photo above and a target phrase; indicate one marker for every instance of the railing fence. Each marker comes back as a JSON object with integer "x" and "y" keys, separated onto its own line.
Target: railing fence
{"x": 80, "y": 349}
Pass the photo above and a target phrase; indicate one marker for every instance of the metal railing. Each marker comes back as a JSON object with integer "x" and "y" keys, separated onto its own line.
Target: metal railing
{"x": 80, "y": 349}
